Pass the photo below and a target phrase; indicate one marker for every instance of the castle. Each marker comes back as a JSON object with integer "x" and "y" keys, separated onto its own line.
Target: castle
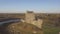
{"x": 31, "y": 18}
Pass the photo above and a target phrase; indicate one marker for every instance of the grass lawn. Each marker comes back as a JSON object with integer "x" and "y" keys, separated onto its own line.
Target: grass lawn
{"x": 51, "y": 30}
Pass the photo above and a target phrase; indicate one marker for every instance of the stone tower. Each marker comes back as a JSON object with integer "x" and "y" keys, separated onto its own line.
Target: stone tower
{"x": 29, "y": 16}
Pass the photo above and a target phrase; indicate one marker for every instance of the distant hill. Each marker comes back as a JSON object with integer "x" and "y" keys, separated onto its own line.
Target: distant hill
{"x": 11, "y": 15}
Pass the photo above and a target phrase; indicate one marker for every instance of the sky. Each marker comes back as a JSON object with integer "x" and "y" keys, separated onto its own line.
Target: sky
{"x": 20, "y": 6}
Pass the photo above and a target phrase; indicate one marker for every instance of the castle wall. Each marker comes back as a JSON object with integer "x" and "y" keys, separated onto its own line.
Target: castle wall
{"x": 38, "y": 23}
{"x": 30, "y": 18}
